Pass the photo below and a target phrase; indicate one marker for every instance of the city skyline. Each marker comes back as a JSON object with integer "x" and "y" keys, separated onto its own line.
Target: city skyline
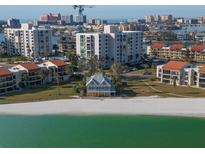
{"x": 33, "y": 12}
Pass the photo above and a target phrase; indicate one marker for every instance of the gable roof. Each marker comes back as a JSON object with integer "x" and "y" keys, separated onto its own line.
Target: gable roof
{"x": 98, "y": 79}
{"x": 197, "y": 48}
{"x": 175, "y": 65}
{"x": 30, "y": 66}
{"x": 58, "y": 62}
{"x": 176, "y": 47}
{"x": 4, "y": 72}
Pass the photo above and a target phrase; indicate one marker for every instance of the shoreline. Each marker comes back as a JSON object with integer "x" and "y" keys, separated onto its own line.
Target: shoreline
{"x": 186, "y": 107}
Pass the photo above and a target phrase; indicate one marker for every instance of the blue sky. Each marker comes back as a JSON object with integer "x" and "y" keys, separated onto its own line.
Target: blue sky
{"x": 102, "y": 11}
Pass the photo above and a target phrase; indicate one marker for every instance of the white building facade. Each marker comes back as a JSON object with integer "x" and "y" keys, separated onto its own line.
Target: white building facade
{"x": 181, "y": 73}
{"x": 111, "y": 46}
{"x": 28, "y": 41}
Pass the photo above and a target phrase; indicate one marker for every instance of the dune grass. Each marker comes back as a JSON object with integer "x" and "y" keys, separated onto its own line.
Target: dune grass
{"x": 48, "y": 92}
{"x": 152, "y": 88}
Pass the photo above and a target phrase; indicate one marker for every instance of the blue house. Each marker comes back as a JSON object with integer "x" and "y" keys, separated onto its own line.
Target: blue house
{"x": 99, "y": 85}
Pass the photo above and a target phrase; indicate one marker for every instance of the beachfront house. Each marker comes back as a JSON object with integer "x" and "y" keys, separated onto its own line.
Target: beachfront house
{"x": 99, "y": 85}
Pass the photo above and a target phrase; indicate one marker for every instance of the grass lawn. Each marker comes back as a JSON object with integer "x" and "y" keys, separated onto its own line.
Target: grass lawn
{"x": 141, "y": 71}
{"x": 12, "y": 59}
{"x": 150, "y": 88}
{"x": 49, "y": 92}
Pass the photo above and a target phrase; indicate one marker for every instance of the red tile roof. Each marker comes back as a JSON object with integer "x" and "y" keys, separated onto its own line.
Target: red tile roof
{"x": 157, "y": 45}
{"x": 30, "y": 66}
{"x": 175, "y": 47}
{"x": 197, "y": 48}
{"x": 58, "y": 62}
{"x": 175, "y": 65}
{"x": 4, "y": 72}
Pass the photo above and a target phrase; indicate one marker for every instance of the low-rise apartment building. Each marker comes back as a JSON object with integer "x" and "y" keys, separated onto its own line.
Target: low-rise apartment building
{"x": 172, "y": 72}
{"x": 181, "y": 73}
{"x": 56, "y": 70}
{"x": 30, "y": 73}
{"x": 196, "y": 53}
{"x": 201, "y": 77}
{"x": 7, "y": 81}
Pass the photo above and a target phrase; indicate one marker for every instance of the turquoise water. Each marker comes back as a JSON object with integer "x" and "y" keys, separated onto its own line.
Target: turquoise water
{"x": 101, "y": 131}
{"x": 190, "y": 29}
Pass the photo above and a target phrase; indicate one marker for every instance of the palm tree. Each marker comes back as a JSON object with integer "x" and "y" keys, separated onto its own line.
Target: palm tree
{"x": 174, "y": 79}
{"x": 146, "y": 69}
{"x": 116, "y": 73}
{"x": 73, "y": 58}
{"x": 81, "y": 87}
{"x": 55, "y": 48}
{"x": 193, "y": 78}
{"x": 44, "y": 74}
{"x": 68, "y": 69}
{"x": 93, "y": 65}
{"x": 2, "y": 49}
{"x": 57, "y": 81}
{"x": 81, "y": 64}
{"x": 24, "y": 79}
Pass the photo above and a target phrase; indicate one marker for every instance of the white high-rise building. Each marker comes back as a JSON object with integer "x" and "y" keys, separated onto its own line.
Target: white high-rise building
{"x": 28, "y": 41}
{"x": 112, "y": 46}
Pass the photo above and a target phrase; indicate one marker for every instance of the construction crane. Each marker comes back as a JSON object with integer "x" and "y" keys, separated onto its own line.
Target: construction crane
{"x": 81, "y": 8}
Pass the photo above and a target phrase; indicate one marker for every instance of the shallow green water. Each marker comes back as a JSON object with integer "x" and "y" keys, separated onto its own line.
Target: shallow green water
{"x": 101, "y": 131}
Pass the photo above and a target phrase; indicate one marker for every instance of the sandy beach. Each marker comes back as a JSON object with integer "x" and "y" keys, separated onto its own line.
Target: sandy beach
{"x": 133, "y": 106}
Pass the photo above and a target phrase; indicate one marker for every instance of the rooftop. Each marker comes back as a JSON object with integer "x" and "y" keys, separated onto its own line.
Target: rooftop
{"x": 176, "y": 47}
{"x": 197, "y": 48}
{"x": 4, "y": 72}
{"x": 58, "y": 62}
{"x": 30, "y": 66}
{"x": 157, "y": 45}
{"x": 175, "y": 65}
{"x": 98, "y": 78}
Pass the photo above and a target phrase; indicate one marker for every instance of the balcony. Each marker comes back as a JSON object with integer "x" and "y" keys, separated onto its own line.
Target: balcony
{"x": 6, "y": 86}
{"x": 35, "y": 78}
{"x": 202, "y": 76}
{"x": 202, "y": 81}
{"x": 166, "y": 76}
